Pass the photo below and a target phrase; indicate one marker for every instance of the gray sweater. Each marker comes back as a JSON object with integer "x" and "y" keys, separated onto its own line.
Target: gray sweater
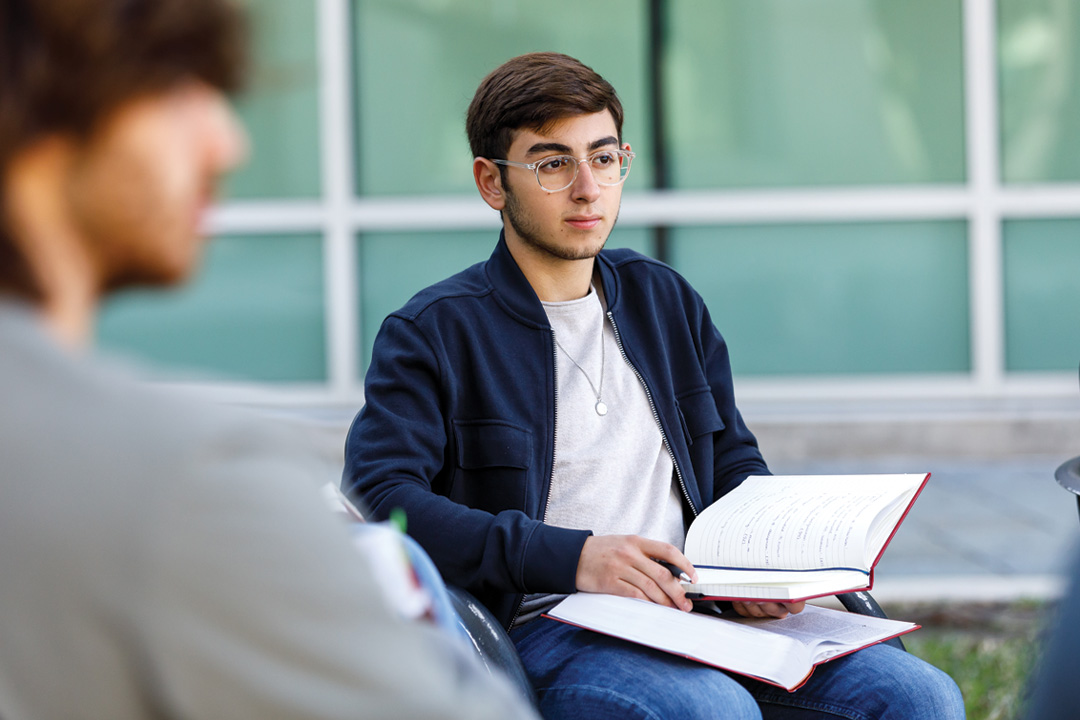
{"x": 163, "y": 559}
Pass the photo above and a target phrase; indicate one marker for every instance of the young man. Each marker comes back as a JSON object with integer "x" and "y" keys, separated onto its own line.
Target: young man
{"x": 549, "y": 420}
{"x": 159, "y": 558}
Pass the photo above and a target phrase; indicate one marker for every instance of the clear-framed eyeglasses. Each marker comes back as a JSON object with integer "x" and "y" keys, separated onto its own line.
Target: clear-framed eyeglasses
{"x": 558, "y": 172}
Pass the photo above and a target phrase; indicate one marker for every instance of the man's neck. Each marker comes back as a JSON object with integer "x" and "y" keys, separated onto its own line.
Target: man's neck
{"x": 54, "y": 252}
{"x": 552, "y": 279}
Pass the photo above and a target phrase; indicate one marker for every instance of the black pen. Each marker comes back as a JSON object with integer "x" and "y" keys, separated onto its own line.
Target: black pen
{"x": 674, "y": 570}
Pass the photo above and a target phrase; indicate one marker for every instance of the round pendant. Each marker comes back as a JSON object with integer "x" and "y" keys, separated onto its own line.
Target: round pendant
{"x": 601, "y": 408}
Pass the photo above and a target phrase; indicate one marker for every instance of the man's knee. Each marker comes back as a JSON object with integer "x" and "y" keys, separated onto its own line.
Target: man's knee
{"x": 909, "y": 687}
{"x": 940, "y": 694}
{"x": 681, "y": 698}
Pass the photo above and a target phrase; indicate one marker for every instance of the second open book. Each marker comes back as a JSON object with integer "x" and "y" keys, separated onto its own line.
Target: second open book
{"x": 781, "y": 652}
{"x": 791, "y": 538}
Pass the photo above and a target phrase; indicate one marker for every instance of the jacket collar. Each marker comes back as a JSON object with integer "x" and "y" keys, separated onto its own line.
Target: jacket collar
{"x": 514, "y": 292}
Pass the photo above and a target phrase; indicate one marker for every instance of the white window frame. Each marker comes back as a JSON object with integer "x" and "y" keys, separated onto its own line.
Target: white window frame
{"x": 983, "y": 202}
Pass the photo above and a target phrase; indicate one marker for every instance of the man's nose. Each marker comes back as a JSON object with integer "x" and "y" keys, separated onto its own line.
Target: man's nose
{"x": 585, "y": 187}
{"x": 228, "y": 143}
{"x": 235, "y": 145}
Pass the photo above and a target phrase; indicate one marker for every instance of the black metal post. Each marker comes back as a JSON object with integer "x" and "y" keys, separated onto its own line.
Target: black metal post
{"x": 661, "y": 181}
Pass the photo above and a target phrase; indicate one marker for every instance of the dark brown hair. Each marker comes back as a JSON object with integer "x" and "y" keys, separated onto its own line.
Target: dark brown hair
{"x": 65, "y": 65}
{"x": 532, "y": 92}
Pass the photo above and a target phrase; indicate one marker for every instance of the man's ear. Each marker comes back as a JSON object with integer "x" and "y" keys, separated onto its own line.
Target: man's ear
{"x": 489, "y": 183}
{"x": 37, "y": 178}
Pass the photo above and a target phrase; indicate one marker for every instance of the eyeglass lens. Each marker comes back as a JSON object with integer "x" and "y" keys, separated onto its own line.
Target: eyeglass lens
{"x": 558, "y": 172}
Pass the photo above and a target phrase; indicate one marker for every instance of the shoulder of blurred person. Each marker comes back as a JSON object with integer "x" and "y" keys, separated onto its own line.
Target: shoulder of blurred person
{"x": 162, "y": 555}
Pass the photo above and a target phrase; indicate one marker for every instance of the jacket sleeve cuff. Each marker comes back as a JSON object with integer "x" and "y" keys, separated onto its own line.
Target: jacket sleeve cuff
{"x": 551, "y": 559}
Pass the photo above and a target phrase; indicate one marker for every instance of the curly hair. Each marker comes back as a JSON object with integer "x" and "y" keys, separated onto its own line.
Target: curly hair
{"x": 65, "y": 65}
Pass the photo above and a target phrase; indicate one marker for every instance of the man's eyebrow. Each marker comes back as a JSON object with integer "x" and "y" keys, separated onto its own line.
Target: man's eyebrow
{"x": 566, "y": 150}
{"x": 609, "y": 140}
{"x": 548, "y": 147}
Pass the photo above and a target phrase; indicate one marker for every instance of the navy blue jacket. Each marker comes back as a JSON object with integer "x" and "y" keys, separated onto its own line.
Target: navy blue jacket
{"x": 458, "y": 426}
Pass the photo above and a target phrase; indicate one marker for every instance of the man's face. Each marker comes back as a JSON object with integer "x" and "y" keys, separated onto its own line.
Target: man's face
{"x": 142, "y": 182}
{"x": 571, "y": 224}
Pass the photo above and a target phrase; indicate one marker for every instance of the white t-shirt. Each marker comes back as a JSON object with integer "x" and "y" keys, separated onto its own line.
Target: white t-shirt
{"x": 613, "y": 475}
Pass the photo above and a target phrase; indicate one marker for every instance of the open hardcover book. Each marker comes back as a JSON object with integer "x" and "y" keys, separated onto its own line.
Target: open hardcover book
{"x": 780, "y": 652}
{"x": 791, "y": 538}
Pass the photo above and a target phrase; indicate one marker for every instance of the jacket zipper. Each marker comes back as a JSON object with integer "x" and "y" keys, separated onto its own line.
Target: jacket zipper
{"x": 656, "y": 415}
{"x": 554, "y": 451}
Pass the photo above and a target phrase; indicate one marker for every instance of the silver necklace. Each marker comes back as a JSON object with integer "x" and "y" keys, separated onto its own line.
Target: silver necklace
{"x": 600, "y": 407}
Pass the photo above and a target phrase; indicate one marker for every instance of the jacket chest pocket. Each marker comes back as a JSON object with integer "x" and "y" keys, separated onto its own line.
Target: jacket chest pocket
{"x": 493, "y": 460}
{"x": 482, "y": 444}
{"x": 698, "y": 414}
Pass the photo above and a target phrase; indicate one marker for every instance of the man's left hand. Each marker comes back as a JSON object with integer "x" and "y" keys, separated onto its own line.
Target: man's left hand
{"x": 767, "y": 609}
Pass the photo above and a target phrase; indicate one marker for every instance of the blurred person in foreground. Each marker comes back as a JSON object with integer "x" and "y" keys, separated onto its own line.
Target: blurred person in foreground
{"x": 551, "y": 418}
{"x": 159, "y": 558}
{"x": 1052, "y": 690}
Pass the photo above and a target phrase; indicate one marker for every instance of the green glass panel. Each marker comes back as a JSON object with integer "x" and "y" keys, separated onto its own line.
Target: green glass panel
{"x": 1042, "y": 294}
{"x": 254, "y": 312}
{"x": 281, "y": 106}
{"x": 395, "y": 266}
{"x": 640, "y": 239}
{"x": 789, "y": 92}
{"x": 419, "y": 63}
{"x": 1039, "y": 56}
{"x": 831, "y": 299}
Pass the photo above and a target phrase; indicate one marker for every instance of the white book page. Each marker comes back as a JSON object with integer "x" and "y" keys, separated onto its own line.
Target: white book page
{"x": 826, "y": 633}
{"x": 775, "y": 585}
{"x": 797, "y": 522}
{"x": 705, "y": 638}
{"x": 882, "y": 528}
{"x": 716, "y": 576}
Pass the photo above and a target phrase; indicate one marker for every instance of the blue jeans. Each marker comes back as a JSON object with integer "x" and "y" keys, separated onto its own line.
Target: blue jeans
{"x": 582, "y": 674}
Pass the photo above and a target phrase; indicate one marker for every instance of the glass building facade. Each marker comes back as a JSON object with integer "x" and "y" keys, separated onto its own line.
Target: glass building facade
{"x": 872, "y": 196}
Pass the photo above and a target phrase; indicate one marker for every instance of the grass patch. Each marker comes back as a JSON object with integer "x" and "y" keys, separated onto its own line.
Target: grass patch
{"x": 990, "y": 650}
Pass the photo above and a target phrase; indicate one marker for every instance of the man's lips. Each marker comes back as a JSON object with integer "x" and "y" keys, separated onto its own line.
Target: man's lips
{"x": 583, "y": 222}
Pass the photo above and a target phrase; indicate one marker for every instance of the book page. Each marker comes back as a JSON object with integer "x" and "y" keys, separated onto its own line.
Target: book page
{"x": 796, "y": 522}
{"x": 815, "y": 625}
{"x": 774, "y": 584}
{"x": 828, "y": 633}
{"x": 705, "y": 638}
{"x": 723, "y": 576}
{"x": 883, "y": 526}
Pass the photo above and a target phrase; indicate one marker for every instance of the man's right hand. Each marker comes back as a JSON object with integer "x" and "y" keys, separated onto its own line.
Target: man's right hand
{"x": 626, "y": 565}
